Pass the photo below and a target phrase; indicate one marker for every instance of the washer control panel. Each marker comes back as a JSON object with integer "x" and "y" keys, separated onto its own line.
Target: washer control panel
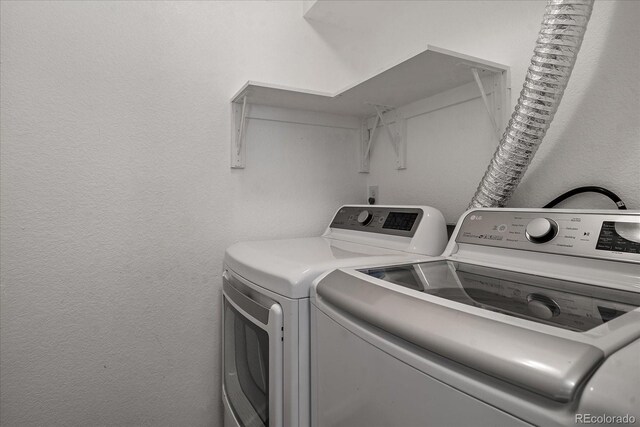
{"x": 596, "y": 235}
{"x": 383, "y": 220}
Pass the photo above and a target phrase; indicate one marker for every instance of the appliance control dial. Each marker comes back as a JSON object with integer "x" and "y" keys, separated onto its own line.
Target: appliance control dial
{"x": 365, "y": 217}
{"x": 541, "y": 230}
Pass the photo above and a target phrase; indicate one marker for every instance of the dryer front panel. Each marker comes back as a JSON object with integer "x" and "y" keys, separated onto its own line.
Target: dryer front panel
{"x": 252, "y": 359}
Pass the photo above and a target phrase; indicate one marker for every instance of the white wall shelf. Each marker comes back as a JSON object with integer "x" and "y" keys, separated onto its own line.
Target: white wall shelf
{"x": 423, "y": 82}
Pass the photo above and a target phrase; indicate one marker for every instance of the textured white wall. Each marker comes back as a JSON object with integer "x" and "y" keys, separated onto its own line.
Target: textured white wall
{"x": 118, "y": 201}
{"x": 594, "y": 139}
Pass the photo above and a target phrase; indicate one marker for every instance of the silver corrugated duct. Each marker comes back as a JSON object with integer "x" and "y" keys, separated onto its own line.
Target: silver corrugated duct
{"x": 559, "y": 40}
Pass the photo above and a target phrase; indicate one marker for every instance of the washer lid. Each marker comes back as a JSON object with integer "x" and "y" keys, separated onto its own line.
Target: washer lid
{"x": 565, "y": 304}
{"x": 288, "y": 266}
{"x": 549, "y": 365}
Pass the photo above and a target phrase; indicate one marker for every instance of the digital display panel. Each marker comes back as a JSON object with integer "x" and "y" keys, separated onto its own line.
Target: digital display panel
{"x": 400, "y": 221}
{"x": 611, "y": 240}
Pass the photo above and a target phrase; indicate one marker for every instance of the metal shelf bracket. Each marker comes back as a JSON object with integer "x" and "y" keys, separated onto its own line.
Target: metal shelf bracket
{"x": 385, "y": 117}
{"x": 238, "y": 118}
{"x": 485, "y": 100}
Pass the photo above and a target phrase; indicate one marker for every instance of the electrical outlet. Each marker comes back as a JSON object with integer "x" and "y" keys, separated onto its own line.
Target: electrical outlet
{"x": 372, "y": 193}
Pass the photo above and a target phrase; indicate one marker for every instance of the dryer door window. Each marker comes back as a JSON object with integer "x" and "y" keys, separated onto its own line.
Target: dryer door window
{"x": 246, "y": 370}
{"x": 252, "y": 358}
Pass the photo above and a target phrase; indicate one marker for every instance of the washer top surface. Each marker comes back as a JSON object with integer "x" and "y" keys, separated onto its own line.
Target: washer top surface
{"x": 288, "y": 266}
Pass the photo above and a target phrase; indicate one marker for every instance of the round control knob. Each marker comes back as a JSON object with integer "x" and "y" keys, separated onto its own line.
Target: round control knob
{"x": 365, "y": 217}
{"x": 542, "y": 306}
{"x": 541, "y": 230}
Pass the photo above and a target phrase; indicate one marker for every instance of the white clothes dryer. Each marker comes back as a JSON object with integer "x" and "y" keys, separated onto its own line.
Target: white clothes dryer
{"x": 531, "y": 318}
{"x": 266, "y": 303}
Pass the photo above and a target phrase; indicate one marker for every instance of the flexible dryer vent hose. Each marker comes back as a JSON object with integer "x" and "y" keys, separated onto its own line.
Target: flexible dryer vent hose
{"x": 559, "y": 40}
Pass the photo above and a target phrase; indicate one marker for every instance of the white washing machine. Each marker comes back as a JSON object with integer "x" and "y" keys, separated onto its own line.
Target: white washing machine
{"x": 531, "y": 318}
{"x": 266, "y": 303}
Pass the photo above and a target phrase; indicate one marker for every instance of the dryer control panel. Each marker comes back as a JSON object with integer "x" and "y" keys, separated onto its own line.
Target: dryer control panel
{"x": 595, "y": 235}
{"x": 395, "y": 221}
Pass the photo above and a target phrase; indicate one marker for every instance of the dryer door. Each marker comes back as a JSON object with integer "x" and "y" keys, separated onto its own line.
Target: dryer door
{"x": 252, "y": 358}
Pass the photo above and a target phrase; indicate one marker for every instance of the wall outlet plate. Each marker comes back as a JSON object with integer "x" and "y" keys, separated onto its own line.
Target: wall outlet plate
{"x": 372, "y": 193}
